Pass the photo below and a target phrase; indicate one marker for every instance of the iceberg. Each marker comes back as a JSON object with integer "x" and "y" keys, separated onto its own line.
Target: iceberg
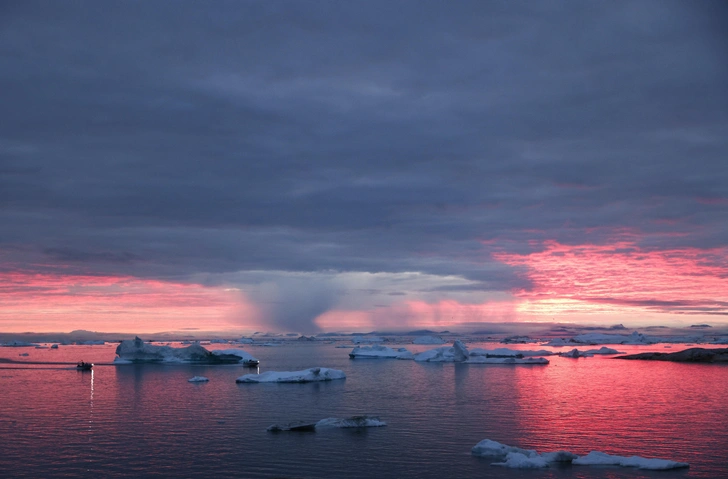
{"x": 378, "y": 351}
{"x": 197, "y": 379}
{"x": 489, "y": 448}
{"x": 245, "y": 357}
{"x": 458, "y": 352}
{"x": 305, "y": 376}
{"x": 137, "y": 351}
{"x": 18, "y": 344}
{"x": 600, "y": 458}
{"x": 521, "y": 461}
{"x": 428, "y": 340}
{"x": 331, "y": 422}
{"x": 574, "y": 353}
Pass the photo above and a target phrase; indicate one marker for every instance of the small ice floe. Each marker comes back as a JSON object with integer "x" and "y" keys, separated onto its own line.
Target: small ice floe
{"x": 378, "y": 351}
{"x": 458, "y": 352}
{"x": 197, "y": 379}
{"x": 600, "y": 458}
{"x": 305, "y": 376}
{"x": 506, "y": 352}
{"x": 516, "y": 457}
{"x": 23, "y": 354}
{"x": 245, "y": 357}
{"x": 331, "y": 422}
{"x": 511, "y": 360}
{"x": 428, "y": 340}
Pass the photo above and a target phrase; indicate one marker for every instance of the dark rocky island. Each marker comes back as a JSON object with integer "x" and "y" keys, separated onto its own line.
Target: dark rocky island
{"x": 692, "y": 355}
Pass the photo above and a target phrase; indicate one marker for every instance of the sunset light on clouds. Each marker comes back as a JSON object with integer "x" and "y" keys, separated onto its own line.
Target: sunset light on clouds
{"x": 482, "y": 164}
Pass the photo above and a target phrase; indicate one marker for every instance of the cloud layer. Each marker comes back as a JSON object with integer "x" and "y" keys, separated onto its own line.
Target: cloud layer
{"x": 310, "y": 142}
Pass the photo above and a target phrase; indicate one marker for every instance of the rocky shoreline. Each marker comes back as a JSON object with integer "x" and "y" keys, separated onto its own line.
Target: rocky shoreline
{"x": 692, "y": 355}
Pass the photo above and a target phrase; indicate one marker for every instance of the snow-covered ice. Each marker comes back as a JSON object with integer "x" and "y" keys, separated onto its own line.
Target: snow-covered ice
{"x": 197, "y": 379}
{"x": 428, "y": 340}
{"x": 331, "y": 422}
{"x": 458, "y": 352}
{"x": 305, "y": 376}
{"x": 378, "y": 351}
{"x": 600, "y": 458}
{"x": 521, "y": 461}
{"x": 490, "y": 448}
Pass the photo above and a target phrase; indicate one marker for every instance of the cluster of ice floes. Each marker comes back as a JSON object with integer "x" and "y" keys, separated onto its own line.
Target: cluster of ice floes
{"x": 137, "y": 351}
{"x": 377, "y": 351}
{"x": 331, "y": 422}
{"x": 197, "y": 379}
{"x": 516, "y": 457}
{"x": 428, "y": 340}
{"x": 18, "y": 344}
{"x": 305, "y": 376}
{"x": 602, "y": 338}
{"x": 458, "y": 353}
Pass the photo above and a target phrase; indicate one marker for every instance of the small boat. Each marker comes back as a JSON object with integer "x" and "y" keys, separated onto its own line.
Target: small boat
{"x": 84, "y": 366}
{"x": 251, "y": 363}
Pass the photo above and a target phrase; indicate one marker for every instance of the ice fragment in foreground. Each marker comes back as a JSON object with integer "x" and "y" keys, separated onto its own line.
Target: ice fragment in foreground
{"x": 197, "y": 379}
{"x": 305, "y": 376}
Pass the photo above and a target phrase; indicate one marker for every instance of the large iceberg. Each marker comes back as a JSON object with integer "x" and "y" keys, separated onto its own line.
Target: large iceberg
{"x": 600, "y": 458}
{"x": 305, "y": 376}
{"x": 516, "y": 457}
{"x": 331, "y": 422}
{"x": 137, "y": 351}
{"x": 378, "y": 351}
{"x": 458, "y": 352}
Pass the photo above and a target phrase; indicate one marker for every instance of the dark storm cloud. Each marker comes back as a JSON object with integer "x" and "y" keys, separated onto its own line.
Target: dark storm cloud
{"x": 167, "y": 139}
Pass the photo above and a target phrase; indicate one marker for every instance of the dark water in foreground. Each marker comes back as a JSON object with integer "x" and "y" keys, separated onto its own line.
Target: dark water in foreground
{"x": 148, "y": 421}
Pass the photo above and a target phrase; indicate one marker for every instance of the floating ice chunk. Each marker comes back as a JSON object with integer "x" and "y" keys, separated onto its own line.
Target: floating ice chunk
{"x": 54, "y": 346}
{"x": 603, "y": 350}
{"x": 600, "y": 458}
{"x": 489, "y": 448}
{"x": 428, "y": 340}
{"x": 305, "y": 376}
{"x": 378, "y": 351}
{"x": 331, "y": 422}
{"x": 575, "y": 353}
{"x": 458, "y": 352}
{"x": 503, "y": 352}
{"x": 197, "y": 379}
{"x": 517, "y": 460}
{"x": 354, "y": 421}
{"x": 245, "y": 357}
{"x": 244, "y": 341}
{"x": 513, "y": 360}
{"x": 559, "y": 456}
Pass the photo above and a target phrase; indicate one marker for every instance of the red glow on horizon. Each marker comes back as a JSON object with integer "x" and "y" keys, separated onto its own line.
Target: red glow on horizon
{"x": 59, "y": 302}
{"x": 622, "y": 278}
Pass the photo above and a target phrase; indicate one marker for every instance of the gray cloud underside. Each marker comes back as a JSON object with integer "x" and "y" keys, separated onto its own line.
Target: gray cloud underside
{"x": 168, "y": 139}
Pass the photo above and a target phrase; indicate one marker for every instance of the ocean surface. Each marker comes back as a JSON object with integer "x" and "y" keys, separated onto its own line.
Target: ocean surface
{"x": 148, "y": 421}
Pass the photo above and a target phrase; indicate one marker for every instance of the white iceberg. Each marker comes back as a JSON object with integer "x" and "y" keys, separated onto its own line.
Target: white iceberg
{"x": 378, "y": 351}
{"x": 600, "y": 458}
{"x": 517, "y": 460}
{"x": 428, "y": 340}
{"x": 511, "y": 360}
{"x": 503, "y": 352}
{"x": 244, "y": 340}
{"x": 603, "y": 350}
{"x": 305, "y": 376}
{"x": 197, "y": 379}
{"x": 489, "y": 448}
{"x": 458, "y": 352}
{"x": 575, "y": 353}
{"x": 137, "y": 351}
{"x": 245, "y": 357}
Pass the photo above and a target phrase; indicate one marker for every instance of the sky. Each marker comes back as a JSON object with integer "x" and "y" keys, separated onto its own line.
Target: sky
{"x": 315, "y": 166}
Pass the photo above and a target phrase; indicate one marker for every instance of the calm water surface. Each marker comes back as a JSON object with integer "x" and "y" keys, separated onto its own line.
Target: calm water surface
{"x": 148, "y": 421}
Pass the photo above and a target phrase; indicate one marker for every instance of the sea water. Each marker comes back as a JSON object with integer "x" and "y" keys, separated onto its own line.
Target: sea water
{"x": 148, "y": 421}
